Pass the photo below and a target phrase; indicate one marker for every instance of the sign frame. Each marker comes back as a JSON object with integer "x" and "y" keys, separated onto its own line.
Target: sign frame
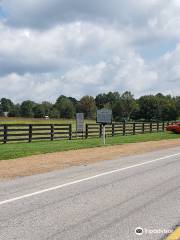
{"x": 79, "y": 122}
{"x": 104, "y": 116}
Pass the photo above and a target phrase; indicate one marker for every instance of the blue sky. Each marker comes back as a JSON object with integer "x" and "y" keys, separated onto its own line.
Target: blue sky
{"x": 157, "y": 49}
{"x": 2, "y": 14}
{"x": 82, "y": 47}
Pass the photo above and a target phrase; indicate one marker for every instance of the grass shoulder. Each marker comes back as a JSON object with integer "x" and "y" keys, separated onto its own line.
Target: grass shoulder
{"x": 17, "y": 150}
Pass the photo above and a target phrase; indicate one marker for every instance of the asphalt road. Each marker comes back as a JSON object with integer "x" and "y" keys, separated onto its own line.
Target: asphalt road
{"x": 107, "y": 200}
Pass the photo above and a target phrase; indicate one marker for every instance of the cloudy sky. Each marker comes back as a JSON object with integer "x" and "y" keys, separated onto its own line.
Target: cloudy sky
{"x": 79, "y": 47}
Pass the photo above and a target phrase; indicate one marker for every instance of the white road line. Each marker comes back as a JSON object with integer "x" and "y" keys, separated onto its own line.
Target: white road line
{"x": 85, "y": 179}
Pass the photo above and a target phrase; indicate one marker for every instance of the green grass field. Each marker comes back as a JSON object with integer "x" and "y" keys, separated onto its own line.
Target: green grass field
{"x": 16, "y": 150}
{"x": 20, "y": 120}
{"x": 17, "y": 120}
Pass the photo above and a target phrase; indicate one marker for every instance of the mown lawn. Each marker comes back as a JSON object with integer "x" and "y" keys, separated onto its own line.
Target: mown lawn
{"x": 16, "y": 150}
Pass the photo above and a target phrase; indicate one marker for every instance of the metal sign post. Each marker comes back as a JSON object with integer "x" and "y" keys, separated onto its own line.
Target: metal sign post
{"x": 104, "y": 117}
{"x": 104, "y": 134}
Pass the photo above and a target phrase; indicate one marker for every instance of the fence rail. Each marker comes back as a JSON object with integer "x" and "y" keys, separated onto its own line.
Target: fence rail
{"x": 32, "y": 132}
{"x": 95, "y": 130}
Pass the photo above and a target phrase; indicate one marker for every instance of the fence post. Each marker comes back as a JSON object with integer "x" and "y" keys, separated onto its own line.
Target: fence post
{"x": 30, "y": 133}
{"x": 143, "y": 125}
{"x": 157, "y": 126}
{"x": 52, "y": 132}
{"x": 5, "y": 133}
{"x": 86, "y": 133}
{"x": 70, "y": 131}
{"x": 163, "y": 126}
{"x": 150, "y": 127}
{"x": 134, "y": 128}
{"x": 100, "y": 130}
{"x": 124, "y": 128}
{"x": 113, "y": 128}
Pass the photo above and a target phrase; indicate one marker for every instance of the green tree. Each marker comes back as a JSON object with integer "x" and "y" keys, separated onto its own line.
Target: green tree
{"x": 135, "y": 115}
{"x": 128, "y": 105}
{"x": 54, "y": 113}
{"x": 148, "y": 107}
{"x": 177, "y": 102}
{"x": 1, "y": 111}
{"x": 26, "y": 108}
{"x": 6, "y": 104}
{"x": 117, "y": 110}
{"x": 106, "y": 99}
{"x": 112, "y": 97}
{"x": 101, "y": 100}
{"x": 38, "y": 111}
{"x": 59, "y": 99}
{"x": 87, "y": 106}
{"x": 46, "y": 108}
{"x": 168, "y": 111}
{"x": 124, "y": 108}
{"x": 65, "y": 107}
{"x": 15, "y": 111}
{"x": 166, "y": 107}
{"x": 73, "y": 100}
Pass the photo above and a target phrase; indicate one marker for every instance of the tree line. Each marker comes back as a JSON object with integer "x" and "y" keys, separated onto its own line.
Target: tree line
{"x": 124, "y": 107}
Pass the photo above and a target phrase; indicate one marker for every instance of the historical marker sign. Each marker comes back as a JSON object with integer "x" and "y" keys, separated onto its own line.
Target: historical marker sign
{"x": 79, "y": 122}
{"x": 104, "y": 116}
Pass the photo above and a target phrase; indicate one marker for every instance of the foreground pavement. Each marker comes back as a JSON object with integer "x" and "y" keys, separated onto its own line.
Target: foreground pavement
{"x": 106, "y": 200}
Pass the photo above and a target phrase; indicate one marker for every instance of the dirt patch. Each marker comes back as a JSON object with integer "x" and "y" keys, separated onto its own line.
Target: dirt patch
{"x": 52, "y": 161}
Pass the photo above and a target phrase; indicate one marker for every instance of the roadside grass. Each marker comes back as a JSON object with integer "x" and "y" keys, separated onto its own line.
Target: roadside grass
{"x": 17, "y": 150}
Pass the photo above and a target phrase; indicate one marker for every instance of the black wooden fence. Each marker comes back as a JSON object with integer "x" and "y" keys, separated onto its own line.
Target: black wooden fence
{"x": 31, "y": 132}
{"x": 94, "y": 130}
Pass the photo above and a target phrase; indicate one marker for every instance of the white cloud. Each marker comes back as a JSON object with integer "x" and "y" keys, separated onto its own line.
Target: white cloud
{"x": 31, "y": 50}
{"x": 167, "y": 22}
{"x": 131, "y": 74}
{"x": 79, "y": 47}
{"x": 168, "y": 69}
{"x": 28, "y": 86}
{"x": 29, "y": 12}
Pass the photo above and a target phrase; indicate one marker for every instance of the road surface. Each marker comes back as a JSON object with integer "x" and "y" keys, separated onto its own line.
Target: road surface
{"x": 107, "y": 200}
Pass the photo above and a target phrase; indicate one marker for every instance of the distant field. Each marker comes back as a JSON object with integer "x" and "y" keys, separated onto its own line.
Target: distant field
{"x": 12, "y": 120}
{"x": 16, "y": 150}
{"x": 4, "y": 120}
{"x": 19, "y": 120}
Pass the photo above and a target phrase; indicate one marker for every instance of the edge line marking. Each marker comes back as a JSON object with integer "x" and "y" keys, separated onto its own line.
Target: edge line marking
{"x": 85, "y": 179}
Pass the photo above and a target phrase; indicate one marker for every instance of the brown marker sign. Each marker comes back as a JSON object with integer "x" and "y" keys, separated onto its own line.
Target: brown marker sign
{"x": 79, "y": 122}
